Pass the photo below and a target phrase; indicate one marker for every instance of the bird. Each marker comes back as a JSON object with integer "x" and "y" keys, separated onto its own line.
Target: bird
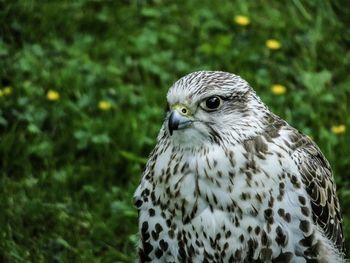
{"x": 230, "y": 181}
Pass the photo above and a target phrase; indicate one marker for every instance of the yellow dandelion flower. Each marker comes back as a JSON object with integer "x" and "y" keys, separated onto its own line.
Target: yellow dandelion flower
{"x": 52, "y": 95}
{"x": 338, "y": 129}
{"x": 278, "y": 89}
{"x": 273, "y": 44}
{"x": 104, "y": 105}
{"x": 7, "y": 91}
{"x": 242, "y": 20}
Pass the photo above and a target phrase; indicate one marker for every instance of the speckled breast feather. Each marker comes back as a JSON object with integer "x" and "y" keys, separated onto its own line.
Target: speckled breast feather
{"x": 229, "y": 181}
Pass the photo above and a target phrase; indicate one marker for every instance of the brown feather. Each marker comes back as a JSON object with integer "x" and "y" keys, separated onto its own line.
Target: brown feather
{"x": 318, "y": 181}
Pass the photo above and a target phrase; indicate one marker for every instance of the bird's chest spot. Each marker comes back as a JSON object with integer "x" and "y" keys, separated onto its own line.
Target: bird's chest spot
{"x": 196, "y": 175}
{"x": 228, "y": 201}
{"x": 213, "y": 177}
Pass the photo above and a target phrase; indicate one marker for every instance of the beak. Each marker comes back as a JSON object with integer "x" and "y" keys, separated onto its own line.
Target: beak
{"x": 177, "y": 121}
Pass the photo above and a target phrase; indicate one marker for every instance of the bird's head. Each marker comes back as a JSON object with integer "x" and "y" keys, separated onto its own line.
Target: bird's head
{"x": 212, "y": 106}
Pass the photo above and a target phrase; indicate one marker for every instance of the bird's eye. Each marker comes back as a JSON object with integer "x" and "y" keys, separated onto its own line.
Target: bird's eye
{"x": 211, "y": 103}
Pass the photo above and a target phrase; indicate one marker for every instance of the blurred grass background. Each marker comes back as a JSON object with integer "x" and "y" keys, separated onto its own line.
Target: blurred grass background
{"x": 82, "y": 97}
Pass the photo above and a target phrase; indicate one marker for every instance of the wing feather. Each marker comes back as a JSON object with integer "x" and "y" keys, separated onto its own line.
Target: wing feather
{"x": 317, "y": 177}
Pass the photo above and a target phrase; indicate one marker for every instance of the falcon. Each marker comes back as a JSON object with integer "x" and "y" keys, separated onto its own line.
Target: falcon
{"x": 229, "y": 181}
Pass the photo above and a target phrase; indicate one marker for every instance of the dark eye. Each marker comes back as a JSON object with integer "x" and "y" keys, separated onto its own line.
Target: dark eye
{"x": 211, "y": 103}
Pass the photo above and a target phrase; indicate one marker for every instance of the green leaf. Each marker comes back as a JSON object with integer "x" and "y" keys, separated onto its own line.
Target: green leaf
{"x": 150, "y": 12}
{"x": 133, "y": 157}
{"x": 316, "y": 82}
{"x": 101, "y": 139}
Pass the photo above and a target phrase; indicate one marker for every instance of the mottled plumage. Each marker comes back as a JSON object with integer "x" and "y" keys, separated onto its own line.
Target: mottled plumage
{"x": 229, "y": 181}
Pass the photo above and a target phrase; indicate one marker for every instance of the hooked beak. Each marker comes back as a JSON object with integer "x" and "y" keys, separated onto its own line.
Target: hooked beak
{"x": 177, "y": 121}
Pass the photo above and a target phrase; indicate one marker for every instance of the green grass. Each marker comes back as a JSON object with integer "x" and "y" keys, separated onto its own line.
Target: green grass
{"x": 69, "y": 169}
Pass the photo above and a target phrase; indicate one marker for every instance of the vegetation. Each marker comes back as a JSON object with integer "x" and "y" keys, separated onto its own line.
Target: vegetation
{"x": 82, "y": 97}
